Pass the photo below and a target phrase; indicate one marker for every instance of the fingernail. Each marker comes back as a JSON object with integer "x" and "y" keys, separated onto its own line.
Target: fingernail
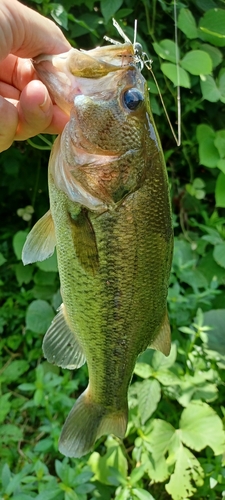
{"x": 46, "y": 103}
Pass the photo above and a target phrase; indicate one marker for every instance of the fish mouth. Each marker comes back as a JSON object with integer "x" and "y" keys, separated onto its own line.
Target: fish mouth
{"x": 80, "y": 72}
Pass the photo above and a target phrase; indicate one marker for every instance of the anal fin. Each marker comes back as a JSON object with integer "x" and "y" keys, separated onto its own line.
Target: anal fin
{"x": 162, "y": 342}
{"x": 61, "y": 346}
{"x": 40, "y": 242}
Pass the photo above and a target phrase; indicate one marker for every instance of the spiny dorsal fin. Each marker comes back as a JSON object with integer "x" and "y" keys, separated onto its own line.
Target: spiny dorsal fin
{"x": 163, "y": 340}
{"x": 40, "y": 242}
{"x": 61, "y": 346}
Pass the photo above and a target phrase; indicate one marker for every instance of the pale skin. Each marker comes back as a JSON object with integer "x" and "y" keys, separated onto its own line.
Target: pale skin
{"x": 26, "y": 108}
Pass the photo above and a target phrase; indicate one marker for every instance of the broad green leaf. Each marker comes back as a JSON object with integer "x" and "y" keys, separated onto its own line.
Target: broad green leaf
{"x": 215, "y": 54}
{"x": 221, "y": 86}
{"x": 200, "y": 426}
{"x": 148, "y": 398}
{"x": 204, "y": 131}
{"x": 170, "y": 70}
{"x": 166, "y": 49}
{"x": 15, "y": 369}
{"x": 161, "y": 362}
{"x": 143, "y": 370}
{"x": 221, "y": 165}
{"x": 5, "y": 405}
{"x": 186, "y": 23}
{"x": 220, "y": 142}
{"x": 212, "y": 27}
{"x": 142, "y": 494}
{"x": 59, "y": 15}
{"x": 2, "y": 259}
{"x": 220, "y": 190}
{"x": 114, "y": 457}
{"x": 10, "y": 432}
{"x": 137, "y": 474}
{"x": 210, "y": 269}
{"x": 187, "y": 473}
{"x": 161, "y": 439}
{"x": 197, "y": 62}
{"x": 18, "y": 242}
{"x": 109, "y": 8}
{"x": 50, "y": 264}
{"x": 209, "y": 89}
{"x": 208, "y": 153}
{"x": 215, "y": 319}
{"x": 23, "y": 273}
{"x": 219, "y": 251}
{"x": 39, "y": 316}
{"x": 5, "y": 476}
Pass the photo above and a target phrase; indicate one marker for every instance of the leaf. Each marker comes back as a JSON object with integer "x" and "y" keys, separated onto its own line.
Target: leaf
{"x": 200, "y": 426}
{"x": 142, "y": 494}
{"x": 204, "y": 131}
{"x": 50, "y": 264}
{"x": 2, "y": 259}
{"x": 5, "y": 406}
{"x": 15, "y": 369}
{"x": 23, "y": 273}
{"x": 220, "y": 190}
{"x": 221, "y": 86}
{"x": 59, "y": 15}
{"x": 166, "y": 49}
{"x": 161, "y": 439}
{"x": 114, "y": 458}
{"x": 148, "y": 398}
{"x": 220, "y": 142}
{"x": 18, "y": 242}
{"x": 170, "y": 70}
{"x": 137, "y": 474}
{"x": 219, "y": 253}
{"x": 197, "y": 62}
{"x": 39, "y": 316}
{"x": 186, "y": 23}
{"x": 215, "y": 319}
{"x": 221, "y": 166}
{"x": 10, "y": 432}
{"x": 208, "y": 153}
{"x": 215, "y": 54}
{"x": 212, "y": 27}
{"x": 187, "y": 471}
{"x": 209, "y": 89}
{"x": 108, "y": 8}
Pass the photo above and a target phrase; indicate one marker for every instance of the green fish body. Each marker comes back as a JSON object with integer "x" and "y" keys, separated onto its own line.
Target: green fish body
{"x": 110, "y": 219}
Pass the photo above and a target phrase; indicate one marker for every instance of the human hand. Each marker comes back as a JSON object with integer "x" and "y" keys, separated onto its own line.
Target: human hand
{"x": 26, "y": 108}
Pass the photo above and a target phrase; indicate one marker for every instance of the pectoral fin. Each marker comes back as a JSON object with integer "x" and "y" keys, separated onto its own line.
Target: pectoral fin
{"x": 162, "y": 342}
{"x": 61, "y": 346}
{"x": 40, "y": 242}
{"x": 85, "y": 242}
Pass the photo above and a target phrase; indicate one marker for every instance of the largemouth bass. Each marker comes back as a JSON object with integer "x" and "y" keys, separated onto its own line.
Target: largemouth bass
{"x": 110, "y": 220}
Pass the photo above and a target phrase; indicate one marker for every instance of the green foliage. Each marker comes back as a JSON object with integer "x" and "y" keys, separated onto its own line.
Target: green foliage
{"x": 174, "y": 447}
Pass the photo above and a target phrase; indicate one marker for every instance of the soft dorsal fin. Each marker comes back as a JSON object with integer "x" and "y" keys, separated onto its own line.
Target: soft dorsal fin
{"x": 162, "y": 342}
{"x": 61, "y": 346}
{"x": 40, "y": 242}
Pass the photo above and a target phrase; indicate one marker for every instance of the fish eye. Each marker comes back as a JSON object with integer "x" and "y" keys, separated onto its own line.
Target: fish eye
{"x": 133, "y": 98}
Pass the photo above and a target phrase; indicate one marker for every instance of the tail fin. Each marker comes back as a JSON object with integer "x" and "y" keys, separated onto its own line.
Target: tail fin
{"x": 86, "y": 422}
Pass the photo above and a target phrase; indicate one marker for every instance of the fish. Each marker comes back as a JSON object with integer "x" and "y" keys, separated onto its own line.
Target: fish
{"x": 110, "y": 221}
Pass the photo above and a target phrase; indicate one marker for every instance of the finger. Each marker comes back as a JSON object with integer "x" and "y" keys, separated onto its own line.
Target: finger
{"x": 8, "y": 123}
{"x": 26, "y": 33}
{"x": 59, "y": 120}
{"x": 16, "y": 71}
{"x": 35, "y": 110}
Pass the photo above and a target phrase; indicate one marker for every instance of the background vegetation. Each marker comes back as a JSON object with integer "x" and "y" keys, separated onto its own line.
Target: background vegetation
{"x": 175, "y": 440}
